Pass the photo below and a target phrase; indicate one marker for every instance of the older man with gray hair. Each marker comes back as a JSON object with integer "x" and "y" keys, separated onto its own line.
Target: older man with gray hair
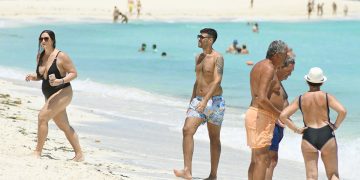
{"x": 279, "y": 98}
{"x": 261, "y": 116}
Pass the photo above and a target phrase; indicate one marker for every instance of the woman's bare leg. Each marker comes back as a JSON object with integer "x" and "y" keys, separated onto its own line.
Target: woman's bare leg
{"x": 330, "y": 159}
{"x": 61, "y": 120}
{"x": 54, "y": 105}
{"x": 311, "y": 156}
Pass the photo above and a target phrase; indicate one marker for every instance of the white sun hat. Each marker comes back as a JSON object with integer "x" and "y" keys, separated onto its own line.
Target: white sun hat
{"x": 315, "y": 75}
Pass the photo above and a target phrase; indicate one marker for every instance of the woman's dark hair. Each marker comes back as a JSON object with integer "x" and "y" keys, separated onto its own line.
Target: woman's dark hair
{"x": 314, "y": 84}
{"x": 42, "y": 51}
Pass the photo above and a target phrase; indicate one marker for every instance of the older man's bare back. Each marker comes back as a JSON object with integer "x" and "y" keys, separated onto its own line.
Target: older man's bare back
{"x": 206, "y": 65}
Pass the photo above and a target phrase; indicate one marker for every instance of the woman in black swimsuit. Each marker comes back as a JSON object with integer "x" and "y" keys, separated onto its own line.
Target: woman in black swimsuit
{"x": 318, "y": 131}
{"x": 56, "y": 70}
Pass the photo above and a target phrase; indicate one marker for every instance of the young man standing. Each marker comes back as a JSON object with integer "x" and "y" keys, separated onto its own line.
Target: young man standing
{"x": 206, "y": 105}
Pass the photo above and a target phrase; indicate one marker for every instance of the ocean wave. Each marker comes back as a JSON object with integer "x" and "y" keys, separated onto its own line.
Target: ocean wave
{"x": 125, "y": 93}
{"x": 104, "y": 90}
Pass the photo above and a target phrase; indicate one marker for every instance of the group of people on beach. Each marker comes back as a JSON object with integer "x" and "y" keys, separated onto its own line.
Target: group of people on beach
{"x": 320, "y": 8}
{"x": 131, "y": 5}
{"x": 268, "y": 113}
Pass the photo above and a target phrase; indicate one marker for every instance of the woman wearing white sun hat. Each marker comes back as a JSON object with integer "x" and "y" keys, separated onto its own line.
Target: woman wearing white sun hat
{"x": 318, "y": 131}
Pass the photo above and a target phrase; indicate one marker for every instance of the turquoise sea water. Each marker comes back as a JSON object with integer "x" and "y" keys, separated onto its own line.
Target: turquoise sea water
{"x": 107, "y": 54}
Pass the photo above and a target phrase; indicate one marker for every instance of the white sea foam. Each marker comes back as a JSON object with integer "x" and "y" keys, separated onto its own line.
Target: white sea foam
{"x": 12, "y": 73}
{"x": 125, "y": 93}
{"x": 104, "y": 90}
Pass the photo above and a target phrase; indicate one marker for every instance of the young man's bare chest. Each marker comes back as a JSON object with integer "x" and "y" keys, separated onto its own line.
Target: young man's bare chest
{"x": 206, "y": 66}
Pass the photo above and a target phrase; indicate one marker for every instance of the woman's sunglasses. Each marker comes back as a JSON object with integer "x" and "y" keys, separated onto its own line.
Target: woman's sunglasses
{"x": 46, "y": 39}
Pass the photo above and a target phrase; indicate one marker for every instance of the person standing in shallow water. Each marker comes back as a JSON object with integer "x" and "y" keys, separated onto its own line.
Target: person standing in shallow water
{"x": 261, "y": 116}
{"x": 318, "y": 131}
{"x": 279, "y": 98}
{"x": 56, "y": 70}
{"x": 206, "y": 104}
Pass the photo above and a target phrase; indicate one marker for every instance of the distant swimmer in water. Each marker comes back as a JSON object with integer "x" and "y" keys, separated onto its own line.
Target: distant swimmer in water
{"x": 243, "y": 50}
{"x": 233, "y": 47}
{"x": 154, "y": 47}
{"x": 255, "y": 28}
{"x": 142, "y": 48}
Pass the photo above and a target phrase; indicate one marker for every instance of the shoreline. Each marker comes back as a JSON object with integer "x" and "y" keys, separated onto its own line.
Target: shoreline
{"x": 190, "y": 19}
{"x": 184, "y": 11}
{"x": 135, "y": 155}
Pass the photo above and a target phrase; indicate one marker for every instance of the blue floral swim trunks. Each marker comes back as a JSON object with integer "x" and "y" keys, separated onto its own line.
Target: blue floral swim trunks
{"x": 213, "y": 113}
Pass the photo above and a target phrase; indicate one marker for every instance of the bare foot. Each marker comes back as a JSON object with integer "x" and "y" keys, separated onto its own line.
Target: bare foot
{"x": 182, "y": 174}
{"x": 78, "y": 157}
{"x": 36, "y": 154}
{"x": 211, "y": 178}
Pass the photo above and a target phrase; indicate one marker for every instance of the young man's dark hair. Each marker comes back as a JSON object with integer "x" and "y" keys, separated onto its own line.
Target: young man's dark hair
{"x": 211, "y": 32}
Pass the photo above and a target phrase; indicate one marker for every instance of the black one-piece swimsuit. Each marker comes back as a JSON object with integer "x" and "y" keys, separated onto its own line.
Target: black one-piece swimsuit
{"x": 46, "y": 88}
{"x": 318, "y": 136}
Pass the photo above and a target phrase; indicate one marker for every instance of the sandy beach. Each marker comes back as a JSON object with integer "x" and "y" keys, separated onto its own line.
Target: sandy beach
{"x": 185, "y": 10}
{"x": 133, "y": 154}
{"x": 18, "y": 119}
{"x": 123, "y": 146}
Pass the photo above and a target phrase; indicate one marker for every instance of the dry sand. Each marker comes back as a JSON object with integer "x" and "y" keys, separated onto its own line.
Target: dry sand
{"x": 184, "y": 10}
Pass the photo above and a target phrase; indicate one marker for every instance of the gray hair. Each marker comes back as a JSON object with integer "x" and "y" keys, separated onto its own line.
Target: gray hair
{"x": 289, "y": 60}
{"x": 276, "y": 47}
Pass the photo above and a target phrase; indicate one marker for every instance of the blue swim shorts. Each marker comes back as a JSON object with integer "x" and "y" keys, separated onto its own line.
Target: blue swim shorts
{"x": 277, "y": 137}
{"x": 213, "y": 113}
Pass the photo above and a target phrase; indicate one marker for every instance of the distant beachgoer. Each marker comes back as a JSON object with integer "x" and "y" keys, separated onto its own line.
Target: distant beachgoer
{"x": 319, "y": 131}
{"x": 255, "y": 28}
{"x": 251, "y": 3}
{"x": 233, "y": 47}
{"x": 318, "y": 9}
{"x": 163, "y": 54}
{"x": 115, "y": 14}
{"x": 124, "y": 18}
{"x": 279, "y": 98}
{"x": 309, "y": 8}
{"x": 131, "y": 6}
{"x": 334, "y": 8}
{"x": 313, "y": 4}
{"x": 321, "y": 9}
{"x": 206, "y": 104}
{"x": 142, "y": 48}
{"x": 261, "y": 116}
{"x": 244, "y": 50}
{"x": 56, "y": 70}
{"x": 138, "y": 5}
{"x": 346, "y": 10}
{"x": 154, "y": 47}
